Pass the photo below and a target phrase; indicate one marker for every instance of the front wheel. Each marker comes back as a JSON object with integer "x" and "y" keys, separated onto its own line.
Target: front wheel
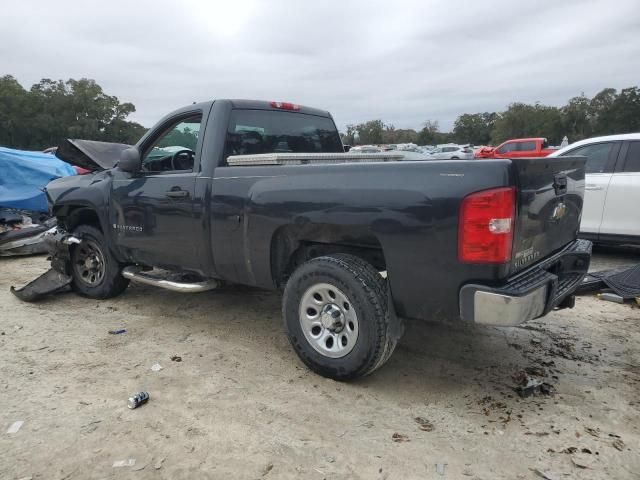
{"x": 336, "y": 317}
{"x": 94, "y": 270}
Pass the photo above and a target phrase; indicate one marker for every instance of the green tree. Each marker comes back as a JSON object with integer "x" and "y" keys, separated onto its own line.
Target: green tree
{"x": 601, "y": 110}
{"x": 53, "y": 110}
{"x": 522, "y": 120}
{"x": 576, "y": 118}
{"x": 13, "y": 100}
{"x": 349, "y": 137}
{"x": 370, "y": 132}
{"x": 474, "y": 128}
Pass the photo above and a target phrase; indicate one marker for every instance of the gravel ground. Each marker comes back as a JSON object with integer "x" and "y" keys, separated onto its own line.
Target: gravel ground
{"x": 240, "y": 405}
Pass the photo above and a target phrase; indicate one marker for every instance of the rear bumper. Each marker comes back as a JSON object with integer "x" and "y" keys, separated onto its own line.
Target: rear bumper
{"x": 531, "y": 293}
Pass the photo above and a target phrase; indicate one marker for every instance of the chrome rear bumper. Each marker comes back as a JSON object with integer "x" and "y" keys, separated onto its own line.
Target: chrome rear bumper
{"x": 529, "y": 294}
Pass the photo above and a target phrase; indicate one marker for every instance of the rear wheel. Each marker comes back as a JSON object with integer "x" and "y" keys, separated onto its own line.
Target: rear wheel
{"x": 335, "y": 314}
{"x": 95, "y": 272}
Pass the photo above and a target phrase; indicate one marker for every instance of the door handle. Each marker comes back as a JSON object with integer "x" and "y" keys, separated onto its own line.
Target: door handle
{"x": 177, "y": 193}
{"x": 593, "y": 187}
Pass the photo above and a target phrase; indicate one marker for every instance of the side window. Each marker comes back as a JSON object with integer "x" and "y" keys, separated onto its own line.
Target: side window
{"x": 632, "y": 160}
{"x": 175, "y": 149}
{"x": 526, "y": 146}
{"x": 507, "y": 147}
{"x": 597, "y": 155}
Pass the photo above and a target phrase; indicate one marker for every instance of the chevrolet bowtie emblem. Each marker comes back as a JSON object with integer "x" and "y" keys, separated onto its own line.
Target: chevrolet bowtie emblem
{"x": 559, "y": 211}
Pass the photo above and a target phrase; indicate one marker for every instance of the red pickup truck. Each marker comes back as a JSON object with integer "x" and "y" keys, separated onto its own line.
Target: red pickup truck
{"x": 517, "y": 147}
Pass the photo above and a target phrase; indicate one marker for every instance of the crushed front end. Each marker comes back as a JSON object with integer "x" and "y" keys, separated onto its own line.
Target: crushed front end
{"x": 58, "y": 243}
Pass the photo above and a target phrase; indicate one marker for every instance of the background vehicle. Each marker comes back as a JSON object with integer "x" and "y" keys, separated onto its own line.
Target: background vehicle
{"x": 451, "y": 152}
{"x": 365, "y": 149}
{"x": 611, "y": 212}
{"x": 455, "y": 238}
{"x": 517, "y": 148}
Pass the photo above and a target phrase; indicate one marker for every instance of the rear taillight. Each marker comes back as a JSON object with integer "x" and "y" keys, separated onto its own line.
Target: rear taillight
{"x": 485, "y": 231}
{"x": 285, "y": 106}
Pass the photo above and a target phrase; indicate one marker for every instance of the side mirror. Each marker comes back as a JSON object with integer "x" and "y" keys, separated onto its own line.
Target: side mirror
{"x": 130, "y": 160}
{"x": 346, "y": 148}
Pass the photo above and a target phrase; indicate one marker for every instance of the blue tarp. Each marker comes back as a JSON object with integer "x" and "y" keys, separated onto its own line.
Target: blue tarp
{"x": 23, "y": 175}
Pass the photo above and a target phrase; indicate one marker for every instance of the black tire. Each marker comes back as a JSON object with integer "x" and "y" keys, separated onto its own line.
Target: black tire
{"x": 377, "y": 331}
{"x": 455, "y": 158}
{"x": 108, "y": 282}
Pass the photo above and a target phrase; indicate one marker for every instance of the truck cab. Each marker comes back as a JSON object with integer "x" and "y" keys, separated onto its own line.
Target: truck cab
{"x": 518, "y": 148}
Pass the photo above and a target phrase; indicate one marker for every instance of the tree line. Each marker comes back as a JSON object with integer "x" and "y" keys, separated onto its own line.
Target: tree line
{"x": 53, "y": 110}
{"x": 608, "y": 112}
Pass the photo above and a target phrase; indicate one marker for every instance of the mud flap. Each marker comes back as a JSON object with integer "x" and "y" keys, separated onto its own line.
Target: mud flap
{"x": 50, "y": 282}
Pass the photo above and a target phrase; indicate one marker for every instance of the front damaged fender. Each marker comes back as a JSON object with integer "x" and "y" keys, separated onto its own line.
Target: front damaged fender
{"x": 58, "y": 278}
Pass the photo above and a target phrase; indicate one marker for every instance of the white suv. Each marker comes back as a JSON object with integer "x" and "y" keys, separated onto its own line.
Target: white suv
{"x": 453, "y": 152}
{"x": 611, "y": 211}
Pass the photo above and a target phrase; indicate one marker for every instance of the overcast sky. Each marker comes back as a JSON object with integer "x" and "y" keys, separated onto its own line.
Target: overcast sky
{"x": 400, "y": 61}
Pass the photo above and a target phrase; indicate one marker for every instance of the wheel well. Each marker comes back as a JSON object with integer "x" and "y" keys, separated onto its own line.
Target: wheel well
{"x": 81, "y": 216}
{"x": 288, "y": 251}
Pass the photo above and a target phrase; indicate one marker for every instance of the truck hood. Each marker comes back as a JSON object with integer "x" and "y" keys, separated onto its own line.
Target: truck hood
{"x": 90, "y": 154}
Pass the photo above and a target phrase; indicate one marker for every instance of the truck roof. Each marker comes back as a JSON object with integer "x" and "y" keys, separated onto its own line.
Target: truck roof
{"x": 529, "y": 139}
{"x": 267, "y": 105}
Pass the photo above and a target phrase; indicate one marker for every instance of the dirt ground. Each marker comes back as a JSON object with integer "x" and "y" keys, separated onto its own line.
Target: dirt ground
{"x": 240, "y": 405}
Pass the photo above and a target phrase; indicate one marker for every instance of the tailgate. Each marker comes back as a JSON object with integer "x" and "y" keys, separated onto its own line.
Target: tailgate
{"x": 549, "y": 206}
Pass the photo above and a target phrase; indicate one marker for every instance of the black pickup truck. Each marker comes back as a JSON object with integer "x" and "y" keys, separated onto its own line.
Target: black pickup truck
{"x": 262, "y": 194}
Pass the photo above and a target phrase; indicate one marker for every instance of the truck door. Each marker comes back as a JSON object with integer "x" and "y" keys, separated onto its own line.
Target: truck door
{"x": 600, "y": 160}
{"x": 151, "y": 211}
{"x": 621, "y": 208}
{"x": 524, "y": 150}
{"x": 505, "y": 150}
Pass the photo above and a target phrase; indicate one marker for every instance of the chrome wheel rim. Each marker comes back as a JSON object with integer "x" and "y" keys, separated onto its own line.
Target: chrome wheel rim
{"x": 328, "y": 320}
{"x": 88, "y": 263}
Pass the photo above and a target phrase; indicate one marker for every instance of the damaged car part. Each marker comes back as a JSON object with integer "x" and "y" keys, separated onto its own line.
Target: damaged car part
{"x": 58, "y": 278}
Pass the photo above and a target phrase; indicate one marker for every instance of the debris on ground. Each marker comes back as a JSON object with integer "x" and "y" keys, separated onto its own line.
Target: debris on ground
{"x": 618, "y": 444}
{"x": 592, "y": 431}
{"x": 158, "y": 463}
{"x": 130, "y": 462}
{"x": 578, "y": 463}
{"x": 137, "y": 400}
{"x": 176, "y": 358}
{"x": 156, "y": 367}
{"x": 610, "y": 297}
{"x": 267, "y": 469}
{"x": 624, "y": 282}
{"x": 400, "y": 438}
{"x": 117, "y": 332}
{"x": 424, "y": 424}
{"x": 545, "y": 475}
{"x": 440, "y": 468}
{"x": 15, "y": 426}
{"x": 24, "y": 211}
{"x": 527, "y": 385}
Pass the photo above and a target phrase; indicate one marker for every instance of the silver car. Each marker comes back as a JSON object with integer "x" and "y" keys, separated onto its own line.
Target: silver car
{"x": 453, "y": 152}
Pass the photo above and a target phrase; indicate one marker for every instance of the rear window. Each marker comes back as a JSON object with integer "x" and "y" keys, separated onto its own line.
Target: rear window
{"x": 253, "y": 132}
